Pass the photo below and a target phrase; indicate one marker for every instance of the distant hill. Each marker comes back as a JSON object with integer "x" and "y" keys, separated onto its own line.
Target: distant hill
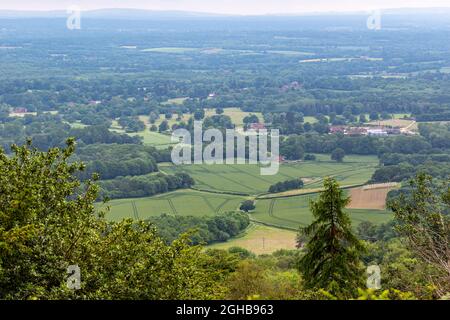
{"x": 140, "y": 14}
{"x": 110, "y": 14}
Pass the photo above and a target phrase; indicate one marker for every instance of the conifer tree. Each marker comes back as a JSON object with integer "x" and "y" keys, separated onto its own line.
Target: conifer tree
{"x": 332, "y": 255}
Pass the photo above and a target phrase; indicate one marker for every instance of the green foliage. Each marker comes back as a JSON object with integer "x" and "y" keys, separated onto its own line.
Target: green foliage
{"x": 144, "y": 185}
{"x": 286, "y": 185}
{"x": 163, "y": 126}
{"x": 48, "y": 222}
{"x": 369, "y": 231}
{"x": 247, "y": 205}
{"x": 199, "y": 114}
{"x": 338, "y": 155}
{"x": 391, "y": 294}
{"x": 204, "y": 230}
{"x": 251, "y": 119}
{"x": 425, "y": 224}
{"x": 131, "y": 124}
{"x": 332, "y": 254}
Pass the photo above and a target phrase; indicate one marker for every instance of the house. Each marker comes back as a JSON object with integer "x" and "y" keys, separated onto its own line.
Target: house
{"x": 295, "y": 85}
{"x": 20, "y": 110}
{"x": 377, "y": 132}
{"x": 94, "y": 102}
{"x": 257, "y": 126}
{"x": 394, "y": 131}
{"x": 337, "y": 129}
{"x": 356, "y": 131}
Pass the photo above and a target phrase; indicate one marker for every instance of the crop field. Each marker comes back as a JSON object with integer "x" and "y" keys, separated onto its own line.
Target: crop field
{"x": 247, "y": 179}
{"x": 183, "y": 202}
{"x": 261, "y": 239}
{"x": 216, "y": 181}
{"x": 370, "y": 198}
{"x": 292, "y": 212}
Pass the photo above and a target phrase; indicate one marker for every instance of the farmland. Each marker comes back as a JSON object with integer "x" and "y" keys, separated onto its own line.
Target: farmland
{"x": 246, "y": 179}
{"x": 219, "y": 181}
{"x": 370, "y": 197}
{"x": 184, "y": 202}
{"x": 292, "y": 212}
{"x": 261, "y": 239}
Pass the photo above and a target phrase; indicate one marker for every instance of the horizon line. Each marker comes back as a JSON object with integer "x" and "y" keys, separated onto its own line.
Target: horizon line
{"x": 314, "y": 12}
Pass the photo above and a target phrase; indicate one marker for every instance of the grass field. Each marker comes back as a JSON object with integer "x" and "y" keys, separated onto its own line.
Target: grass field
{"x": 247, "y": 179}
{"x": 183, "y": 202}
{"x": 285, "y": 212}
{"x": 292, "y": 212}
{"x": 261, "y": 239}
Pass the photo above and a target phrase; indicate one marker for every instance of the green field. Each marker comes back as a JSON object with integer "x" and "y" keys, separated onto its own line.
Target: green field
{"x": 183, "y": 202}
{"x": 154, "y": 138}
{"x": 216, "y": 180}
{"x": 292, "y": 212}
{"x": 247, "y": 179}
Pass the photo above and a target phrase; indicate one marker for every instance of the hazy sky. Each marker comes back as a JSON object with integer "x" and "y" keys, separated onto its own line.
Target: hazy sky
{"x": 225, "y": 6}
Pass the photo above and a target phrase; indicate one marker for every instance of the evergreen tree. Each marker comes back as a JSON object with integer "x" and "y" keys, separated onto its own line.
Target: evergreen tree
{"x": 332, "y": 258}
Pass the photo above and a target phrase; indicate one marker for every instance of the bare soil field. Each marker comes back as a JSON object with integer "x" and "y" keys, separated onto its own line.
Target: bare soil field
{"x": 370, "y": 197}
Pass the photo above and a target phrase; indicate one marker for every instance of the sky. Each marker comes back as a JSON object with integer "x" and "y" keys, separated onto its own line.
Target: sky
{"x": 244, "y": 7}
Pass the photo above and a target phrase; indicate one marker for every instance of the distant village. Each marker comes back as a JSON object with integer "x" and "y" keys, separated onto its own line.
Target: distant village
{"x": 370, "y": 130}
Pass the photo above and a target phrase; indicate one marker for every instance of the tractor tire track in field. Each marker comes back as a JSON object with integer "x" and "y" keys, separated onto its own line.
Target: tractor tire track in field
{"x": 135, "y": 210}
{"x": 221, "y": 205}
{"x": 204, "y": 184}
{"x": 238, "y": 183}
{"x": 251, "y": 175}
{"x": 172, "y": 206}
{"x": 271, "y": 214}
{"x": 208, "y": 204}
{"x": 229, "y": 179}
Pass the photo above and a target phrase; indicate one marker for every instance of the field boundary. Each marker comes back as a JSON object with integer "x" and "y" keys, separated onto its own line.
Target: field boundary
{"x": 306, "y": 193}
{"x": 231, "y": 193}
{"x": 272, "y": 225}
